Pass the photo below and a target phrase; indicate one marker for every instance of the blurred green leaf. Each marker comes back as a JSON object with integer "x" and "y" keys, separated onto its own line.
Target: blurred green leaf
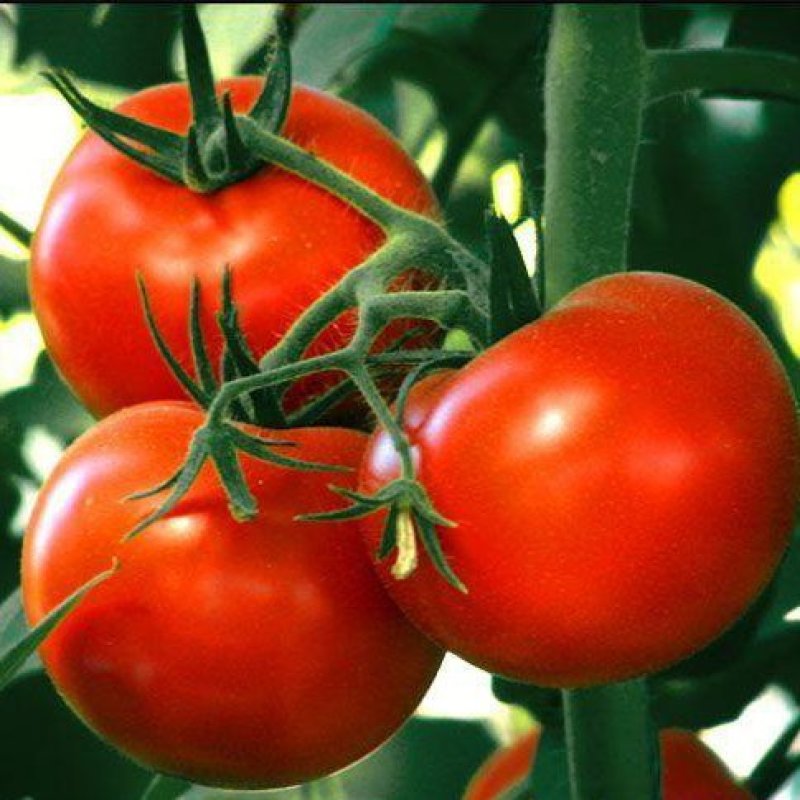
{"x": 49, "y": 754}
{"x": 337, "y": 35}
{"x": 13, "y": 286}
{"x": 13, "y": 628}
{"x": 15, "y": 653}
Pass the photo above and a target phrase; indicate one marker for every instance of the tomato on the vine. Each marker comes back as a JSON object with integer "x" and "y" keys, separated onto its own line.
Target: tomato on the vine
{"x": 623, "y": 476}
{"x": 258, "y": 654}
{"x": 285, "y": 240}
{"x": 690, "y": 771}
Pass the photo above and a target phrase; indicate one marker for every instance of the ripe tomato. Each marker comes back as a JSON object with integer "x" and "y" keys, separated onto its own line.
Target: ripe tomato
{"x": 623, "y": 475}
{"x": 690, "y": 771}
{"x": 285, "y": 240}
{"x": 256, "y": 654}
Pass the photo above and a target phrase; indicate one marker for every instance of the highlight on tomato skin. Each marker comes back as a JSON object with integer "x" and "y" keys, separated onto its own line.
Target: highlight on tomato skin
{"x": 260, "y": 654}
{"x": 690, "y": 770}
{"x": 285, "y": 241}
{"x": 623, "y": 477}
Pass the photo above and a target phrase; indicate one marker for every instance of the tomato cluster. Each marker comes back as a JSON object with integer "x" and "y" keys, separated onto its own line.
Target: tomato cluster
{"x": 260, "y": 654}
{"x": 621, "y": 477}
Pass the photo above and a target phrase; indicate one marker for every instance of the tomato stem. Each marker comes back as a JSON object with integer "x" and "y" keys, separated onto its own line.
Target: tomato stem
{"x": 595, "y": 93}
{"x": 283, "y": 153}
{"x": 611, "y": 742}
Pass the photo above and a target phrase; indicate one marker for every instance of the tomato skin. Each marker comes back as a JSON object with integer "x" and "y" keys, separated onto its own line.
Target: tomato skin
{"x": 690, "y": 771}
{"x": 623, "y": 474}
{"x": 254, "y": 654}
{"x": 285, "y": 240}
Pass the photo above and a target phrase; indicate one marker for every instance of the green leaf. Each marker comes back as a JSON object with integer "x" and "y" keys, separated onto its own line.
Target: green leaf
{"x": 513, "y": 302}
{"x": 336, "y": 35}
{"x": 14, "y": 656}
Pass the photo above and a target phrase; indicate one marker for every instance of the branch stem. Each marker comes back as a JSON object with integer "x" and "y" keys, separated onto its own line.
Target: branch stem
{"x": 734, "y": 72}
{"x": 287, "y": 155}
{"x": 612, "y": 746}
{"x": 595, "y": 91}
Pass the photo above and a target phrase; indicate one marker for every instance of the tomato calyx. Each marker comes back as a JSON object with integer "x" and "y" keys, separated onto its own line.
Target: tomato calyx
{"x": 410, "y": 513}
{"x": 410, "y": 516}
{"x": 221, "y": 442}
{"x": 213, "y": 154}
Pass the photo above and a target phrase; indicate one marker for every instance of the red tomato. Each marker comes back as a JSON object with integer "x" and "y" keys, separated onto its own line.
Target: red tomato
{"x": 623, "y": 474}
{"x": 256, "y": 654}
{"x": 690, "y": 771}
{"x": 285, "y": 240}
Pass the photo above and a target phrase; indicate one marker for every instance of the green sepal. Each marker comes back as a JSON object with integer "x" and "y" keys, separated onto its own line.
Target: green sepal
{"x": 270, "y": 109}
{"x": 267, "y": 410}
{"x": 192, "y": 388}
{"x": 213, "y": 154}
{"x": 180, "y": 483}
{"x": 206, "y": 112}
{"x": 202, "y": 363}
{"x": 262, "y": 449}
{"x": 156, "y": 150}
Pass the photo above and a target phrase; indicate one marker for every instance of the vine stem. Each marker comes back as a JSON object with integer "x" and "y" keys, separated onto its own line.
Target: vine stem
{"x": 611, "y": 742}
{"x": 596, "y": 89}
{"x": 595, "y": 94}
{"x": 275, "y": 150}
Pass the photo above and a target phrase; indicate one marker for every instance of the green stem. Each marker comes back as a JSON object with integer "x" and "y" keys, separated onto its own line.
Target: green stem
{"x": 283, "y": 153}
{"x": 16, "y": 230}
{"x": 777, "y": 765}
{"x": 595, "y": 90}
{"x": 734, "y": 72}
{"x": 205, "y": 111}
{"x": 394, "y": 253}
{"x": 612, "y": 745}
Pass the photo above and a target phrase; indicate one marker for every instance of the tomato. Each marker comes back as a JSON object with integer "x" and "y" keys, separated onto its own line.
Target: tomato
{"x": 504, "y": 770}
{"x": 690, "y": 771}
{"x": 623, "y": 475}
{"x": 249, "y": 654}
{"x": 285, "y": 240}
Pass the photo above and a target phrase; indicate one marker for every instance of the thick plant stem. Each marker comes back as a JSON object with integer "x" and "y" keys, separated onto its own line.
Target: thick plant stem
{"x": 595, "y": 92}
{"x": 611, "y": 743}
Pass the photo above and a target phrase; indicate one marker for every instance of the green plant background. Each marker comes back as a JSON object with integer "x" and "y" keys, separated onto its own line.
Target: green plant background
{"x": 461, "y": 85}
